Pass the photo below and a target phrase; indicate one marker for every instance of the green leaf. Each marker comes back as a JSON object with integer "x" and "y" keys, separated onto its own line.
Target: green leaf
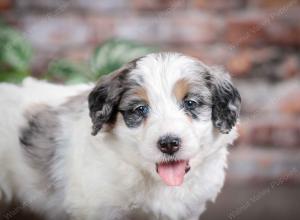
{"x": 114, "y": 53}
{"x": 68, "y": 72}
{"x": 13, "y": 77}
{"x": 15, "y": 52}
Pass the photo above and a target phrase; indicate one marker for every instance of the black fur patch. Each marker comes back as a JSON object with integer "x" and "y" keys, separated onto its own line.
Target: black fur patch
{"x": 39, "y": 138}
{"x": 103, "y": 101}
{"x": 106, "y": 96}
{"x": 226, "y": 106}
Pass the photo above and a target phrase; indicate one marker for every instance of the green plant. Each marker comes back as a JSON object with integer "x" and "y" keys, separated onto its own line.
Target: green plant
{"x": 114, "y": 53}
{"x": 106, "y": 58}
{"x": 15, "y": 55}
{"x": 68, "y": 72}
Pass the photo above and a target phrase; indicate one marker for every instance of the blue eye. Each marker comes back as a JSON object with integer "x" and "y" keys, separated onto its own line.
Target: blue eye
{"x": 142, "y": 110}
{"x": 189, "y": 104}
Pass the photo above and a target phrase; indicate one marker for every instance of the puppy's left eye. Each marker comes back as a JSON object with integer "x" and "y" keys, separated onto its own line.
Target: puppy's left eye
{"x": 189, "y": 104}
{"x": 142, "y": 110}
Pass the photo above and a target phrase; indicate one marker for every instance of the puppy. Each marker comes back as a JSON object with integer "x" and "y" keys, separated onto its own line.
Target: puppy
{"x": 148, "y": 141}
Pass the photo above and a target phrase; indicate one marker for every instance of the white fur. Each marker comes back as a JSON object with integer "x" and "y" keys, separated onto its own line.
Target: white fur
{"x": 112, "y": 175}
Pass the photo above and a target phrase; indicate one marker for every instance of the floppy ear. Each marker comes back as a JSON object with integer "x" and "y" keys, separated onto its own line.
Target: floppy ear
{"x": 103, "y": 101}
{"x": 226, "y": 100}
{"x": 105, "y": 97}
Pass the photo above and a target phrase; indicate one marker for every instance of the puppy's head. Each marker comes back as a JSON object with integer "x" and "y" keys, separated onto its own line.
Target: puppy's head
{"x": 167, "y": 111}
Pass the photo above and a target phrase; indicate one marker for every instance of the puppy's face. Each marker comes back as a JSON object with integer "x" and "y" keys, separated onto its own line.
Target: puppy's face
{"x": 166, "y": 111}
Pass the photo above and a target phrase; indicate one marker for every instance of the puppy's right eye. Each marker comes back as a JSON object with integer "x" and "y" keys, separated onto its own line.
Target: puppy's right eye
{"x": 142, "y": 110}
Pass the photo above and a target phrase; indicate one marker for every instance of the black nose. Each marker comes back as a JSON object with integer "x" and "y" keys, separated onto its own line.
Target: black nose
{"x": 169, "y": 144}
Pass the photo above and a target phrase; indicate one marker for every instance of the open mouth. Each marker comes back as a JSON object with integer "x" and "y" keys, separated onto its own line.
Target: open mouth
{"x": 172, "y": 172}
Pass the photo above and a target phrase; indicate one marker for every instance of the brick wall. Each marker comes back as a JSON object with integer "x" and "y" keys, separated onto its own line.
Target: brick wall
{"x": 258, "y": 41}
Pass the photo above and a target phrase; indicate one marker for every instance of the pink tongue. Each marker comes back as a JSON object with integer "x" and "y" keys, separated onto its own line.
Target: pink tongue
{"x": 172, "y": 173}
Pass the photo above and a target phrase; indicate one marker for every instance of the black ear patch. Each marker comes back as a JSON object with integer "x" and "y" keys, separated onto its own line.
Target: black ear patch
{"x": 226, "y": 102}
{"x": 105, "y": 97}
{"x": 103, "y": 101}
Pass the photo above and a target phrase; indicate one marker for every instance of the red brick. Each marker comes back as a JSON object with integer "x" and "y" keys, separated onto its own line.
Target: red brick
{"x": 290, "y": 67}
{"x": 240, "y": 64}
{"x": 284, "y": 33}
{"x": 5, "y": 5}
{"x": 244, "y": 60}
{"x": 217, "y": 5}
{"x": 245, "y": 29}
{"x": 291, "y": 103}
{"x": 280, "y": 26}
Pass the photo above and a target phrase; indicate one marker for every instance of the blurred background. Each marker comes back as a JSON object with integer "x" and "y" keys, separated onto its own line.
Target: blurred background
{"x": 257, "y": 41}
